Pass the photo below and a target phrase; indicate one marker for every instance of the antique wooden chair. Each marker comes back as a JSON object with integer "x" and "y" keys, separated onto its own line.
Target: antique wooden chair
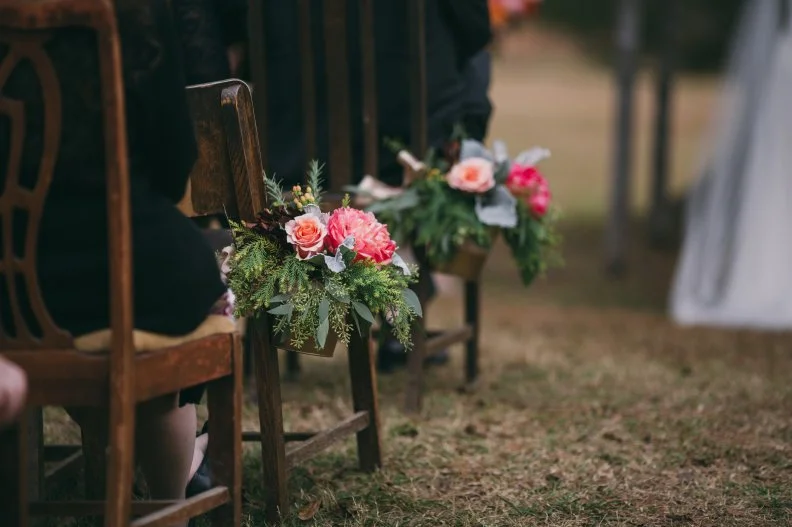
{"x": 336, "y": 62}
{"x": 114, "y": 368}
{"x": 277, "y": 459}
{"x": 469, "y": 332}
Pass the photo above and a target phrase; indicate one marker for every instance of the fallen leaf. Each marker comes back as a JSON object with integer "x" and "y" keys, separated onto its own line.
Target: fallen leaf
{"x": 309, "y": 510}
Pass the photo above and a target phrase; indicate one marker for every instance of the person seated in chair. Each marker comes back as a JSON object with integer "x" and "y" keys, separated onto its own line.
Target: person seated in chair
{"x": 455, "y": 31}
{"x": 177, "y": 282}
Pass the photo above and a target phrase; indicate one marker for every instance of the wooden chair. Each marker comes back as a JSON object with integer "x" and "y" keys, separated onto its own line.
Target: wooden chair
{"x": 115, "y": 368}
{"x": 277, "y": 459}
{"x": 335, "y": 17}
{"x": 469, "y": 332}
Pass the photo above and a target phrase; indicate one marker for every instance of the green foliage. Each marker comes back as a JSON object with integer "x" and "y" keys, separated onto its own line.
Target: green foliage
{"x": 314, "y": 179}
{"x": 533, "y": 243}
{"x": 306, "y": 297}
{"x": 432, "y": 214}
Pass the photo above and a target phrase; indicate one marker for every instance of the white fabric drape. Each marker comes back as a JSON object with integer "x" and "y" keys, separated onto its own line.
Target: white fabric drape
{"x": 735, "y": 267}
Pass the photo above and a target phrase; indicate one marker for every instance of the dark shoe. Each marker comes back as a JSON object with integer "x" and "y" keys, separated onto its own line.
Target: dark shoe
{"x": 202, "y": 479}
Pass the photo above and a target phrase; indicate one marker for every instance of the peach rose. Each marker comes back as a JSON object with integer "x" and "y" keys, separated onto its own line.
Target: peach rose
{"x": 372, "y": 239}
{"x": 475, "y": 175}
{"x": 307, "y": 233}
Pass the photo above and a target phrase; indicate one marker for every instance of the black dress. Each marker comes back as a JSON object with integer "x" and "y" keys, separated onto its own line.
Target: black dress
{"x": 455, "y": 30}
{"x": 176, "y": 277}
{"x": 206, "y": 28}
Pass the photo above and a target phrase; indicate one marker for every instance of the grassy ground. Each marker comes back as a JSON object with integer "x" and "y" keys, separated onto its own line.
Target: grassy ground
{"x": 596, "y": 410}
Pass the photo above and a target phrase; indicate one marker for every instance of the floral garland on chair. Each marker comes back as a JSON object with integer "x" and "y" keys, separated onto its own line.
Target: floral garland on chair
{"x": 317, "y": 273}
{"x": 468, "y": 196}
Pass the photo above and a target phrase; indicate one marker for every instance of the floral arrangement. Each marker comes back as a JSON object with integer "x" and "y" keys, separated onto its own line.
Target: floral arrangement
{"x": 502, "y": 12}
{"x": 469, "y": 194}
{"x": 318, "y": 272}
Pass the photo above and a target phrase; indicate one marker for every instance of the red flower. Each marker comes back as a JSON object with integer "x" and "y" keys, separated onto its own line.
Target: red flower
{"x": 528, "y": 184}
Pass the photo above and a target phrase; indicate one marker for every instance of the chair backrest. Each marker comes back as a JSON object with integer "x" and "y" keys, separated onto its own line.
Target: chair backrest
{"x": 228, "y": 176}
{"x": 335, "y": 17}
{"x": 28, "y": 29}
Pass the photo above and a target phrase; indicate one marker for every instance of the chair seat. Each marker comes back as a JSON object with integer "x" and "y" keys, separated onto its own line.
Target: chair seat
{"x": 144, "y": 341}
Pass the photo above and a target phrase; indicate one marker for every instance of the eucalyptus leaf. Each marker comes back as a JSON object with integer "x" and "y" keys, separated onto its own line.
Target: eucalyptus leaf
{"x": 399, "y": 262}
{"x": 363, "y": 311}
{"x": 411, "y": 299}
{"x": 357, "y": 323}
{"x": 497, "y": 208}
{"x": 321, "y": 332}
{"x": 283, "y": 309}
{"x": 471, "y": 148}
{"x": 531, "y": 157}
{"x": 324, "y": 310}
{"x": 341, "y": 296}
{"x": 279, "y": 299}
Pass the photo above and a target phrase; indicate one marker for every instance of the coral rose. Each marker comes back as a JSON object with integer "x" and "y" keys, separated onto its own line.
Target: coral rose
{"x": 475, "y": 175}
{"x": 307, "y": 233}
{"x": 527, "y": 183}
{"x": 372, "y": 239}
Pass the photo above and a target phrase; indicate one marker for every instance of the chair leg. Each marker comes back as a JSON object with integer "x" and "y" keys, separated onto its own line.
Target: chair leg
{"x": 35, "y": 451}
{"x": 94, "y": 443}
{"x": 364, "y": 396}
{"x": 121, "y": 458}
{"x": 225, "y": 441}
{"x": 415, "y": 357}
{"x": 293, "y": 367}
{"x": 472, "y": 319}
{"x": 13, "y": 475}
{"x": 273, "y": 447}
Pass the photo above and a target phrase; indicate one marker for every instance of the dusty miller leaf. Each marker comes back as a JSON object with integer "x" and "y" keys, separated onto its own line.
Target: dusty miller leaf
{"x": 335, "y": 263}
{"x": 531, "y": 157}
{"x": 399, "y": 262}
{"x": 497, "y": 208}
{"x": 471, "y": 148}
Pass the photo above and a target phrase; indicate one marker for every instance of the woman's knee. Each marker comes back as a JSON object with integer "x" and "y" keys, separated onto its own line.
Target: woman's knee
{"x": 13, "y": 391}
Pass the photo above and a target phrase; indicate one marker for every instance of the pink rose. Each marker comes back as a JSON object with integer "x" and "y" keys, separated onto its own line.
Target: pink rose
{"x": 372, "y": 239}
{"x": 475, "y": 175}
{"x": 539, "y": 202}
{"x": 527, "y": 183}
{"x": 307, "y": 233}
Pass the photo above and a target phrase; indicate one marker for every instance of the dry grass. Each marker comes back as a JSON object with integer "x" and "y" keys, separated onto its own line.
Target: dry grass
{"x": 596, "y": 410}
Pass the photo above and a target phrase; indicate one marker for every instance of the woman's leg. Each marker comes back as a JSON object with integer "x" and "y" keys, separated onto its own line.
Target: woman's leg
{"x": 201, "y": 444}
{"x": 164, "y": 441}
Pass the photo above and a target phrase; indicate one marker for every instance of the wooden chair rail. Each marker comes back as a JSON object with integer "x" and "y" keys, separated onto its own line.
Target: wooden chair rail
{"x": 87, "y": 374}
{"x": 164, "y": 509}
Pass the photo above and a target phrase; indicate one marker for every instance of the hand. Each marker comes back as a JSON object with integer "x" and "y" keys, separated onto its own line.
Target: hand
{"x": 13, "y": 391}
{"x": 236, "y": 53}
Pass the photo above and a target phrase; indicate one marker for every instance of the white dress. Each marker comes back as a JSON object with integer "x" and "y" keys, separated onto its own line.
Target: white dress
{"x": 736, "y": 264}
